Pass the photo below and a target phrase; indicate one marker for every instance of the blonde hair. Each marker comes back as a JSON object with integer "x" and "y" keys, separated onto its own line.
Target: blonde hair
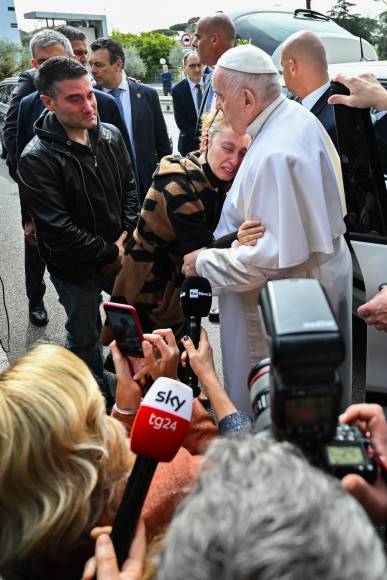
{"x": 213, "y": 122}
{"x": 62, "y": 460}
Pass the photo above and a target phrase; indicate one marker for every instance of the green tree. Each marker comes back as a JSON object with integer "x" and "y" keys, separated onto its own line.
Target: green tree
{"x": 180, "y": 27}
{"x": 381, "y": 41}
{"x": 165, "y": 31}
{"x": 9, "y": 58}
{"x": 175, "y": 59}
{"x": 361, "y": 26}
{"x": 134, "y": 65}
{"x": 151, "y": 45}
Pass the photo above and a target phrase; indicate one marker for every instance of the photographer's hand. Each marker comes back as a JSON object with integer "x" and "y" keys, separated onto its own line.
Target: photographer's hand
{"x": 370, "y": 419}
{"x": 128, "y": 391}
{"x": 104, "y": 563}
{"x": 202, "y": 363}
{"x": 161, "y": 355}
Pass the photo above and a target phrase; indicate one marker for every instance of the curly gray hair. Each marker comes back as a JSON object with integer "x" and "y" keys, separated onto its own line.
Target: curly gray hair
{"x": 260, "y": 511}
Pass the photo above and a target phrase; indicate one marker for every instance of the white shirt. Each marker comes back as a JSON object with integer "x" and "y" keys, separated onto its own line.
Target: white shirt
{"x": 194, "y": 92}
{"x": 126, "y": 107}
{"x": 310, "y": 100}
{"x": 289, "y": 181}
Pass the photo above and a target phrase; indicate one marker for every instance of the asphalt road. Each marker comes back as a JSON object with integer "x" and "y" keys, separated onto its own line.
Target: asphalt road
{"x": 23, "y": 335}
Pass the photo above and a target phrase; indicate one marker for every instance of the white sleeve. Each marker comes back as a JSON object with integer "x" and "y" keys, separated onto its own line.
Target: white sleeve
{"x": 228, "y": 274}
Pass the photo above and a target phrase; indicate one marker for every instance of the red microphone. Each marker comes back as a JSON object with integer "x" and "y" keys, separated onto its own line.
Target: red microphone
{"x": 160, "y": 427}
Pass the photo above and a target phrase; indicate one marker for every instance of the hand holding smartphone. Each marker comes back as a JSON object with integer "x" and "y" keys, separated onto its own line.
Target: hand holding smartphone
{"x": 126, "y": 328}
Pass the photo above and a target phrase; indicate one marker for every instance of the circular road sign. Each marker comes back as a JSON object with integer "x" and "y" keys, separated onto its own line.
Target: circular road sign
{"x": 186, "y": 39}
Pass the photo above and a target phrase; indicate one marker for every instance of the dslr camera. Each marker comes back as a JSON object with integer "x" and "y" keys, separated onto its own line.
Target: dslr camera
{"x": 297, "y": 392}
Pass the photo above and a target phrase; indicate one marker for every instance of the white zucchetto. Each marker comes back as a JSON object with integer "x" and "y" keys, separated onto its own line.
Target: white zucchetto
{"x": 247, "y": 58}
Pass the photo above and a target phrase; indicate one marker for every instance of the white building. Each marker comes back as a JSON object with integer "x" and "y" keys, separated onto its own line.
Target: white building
{"x": 8, "y": 23}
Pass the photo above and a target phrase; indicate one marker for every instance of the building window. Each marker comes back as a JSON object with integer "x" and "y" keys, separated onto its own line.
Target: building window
{"x": 11, "y": 8}
{"x": 13, "y": 25}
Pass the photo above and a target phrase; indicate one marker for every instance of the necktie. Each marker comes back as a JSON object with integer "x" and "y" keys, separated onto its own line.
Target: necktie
{"x": 116, "y": 94}
{"x": 199, "y": 96}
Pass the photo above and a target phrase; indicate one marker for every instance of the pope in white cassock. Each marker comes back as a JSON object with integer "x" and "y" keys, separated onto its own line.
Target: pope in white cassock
{"x": 291, "y": 180}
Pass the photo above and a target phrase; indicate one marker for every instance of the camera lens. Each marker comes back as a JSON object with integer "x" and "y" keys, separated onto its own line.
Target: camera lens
{"x": 259, "y": 387}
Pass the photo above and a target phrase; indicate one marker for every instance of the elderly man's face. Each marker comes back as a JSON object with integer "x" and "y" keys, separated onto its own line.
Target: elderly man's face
{"x": 229, "y": 100}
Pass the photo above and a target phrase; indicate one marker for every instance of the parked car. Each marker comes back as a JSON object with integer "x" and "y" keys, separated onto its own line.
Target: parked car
{"x": 268, "y": 28}
{"x": 364, "y": 165}
{"x": 365, "y": 178}
{"x": 6, "y": 88}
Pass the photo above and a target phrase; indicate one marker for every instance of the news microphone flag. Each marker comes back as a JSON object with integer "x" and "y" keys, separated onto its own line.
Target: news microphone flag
{"x": 160, "y": 427}
{"x": 196, "y": 300}
{"x": 162, "y": 421}
{"x": 196, "y": 297}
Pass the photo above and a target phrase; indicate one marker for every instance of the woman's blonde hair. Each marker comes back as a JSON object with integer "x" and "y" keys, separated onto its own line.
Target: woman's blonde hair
{"x": 212, "y": 123}
{"x": 62, "y": 460}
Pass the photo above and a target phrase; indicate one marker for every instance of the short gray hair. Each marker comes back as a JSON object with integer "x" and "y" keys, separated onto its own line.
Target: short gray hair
{"x": 265, "y": 86}
{"x": 48, "y": 36}
{"x": 259, "y": 510}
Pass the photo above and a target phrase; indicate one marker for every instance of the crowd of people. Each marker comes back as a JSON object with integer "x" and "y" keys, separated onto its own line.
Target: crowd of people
{"x": 256, "y": 195}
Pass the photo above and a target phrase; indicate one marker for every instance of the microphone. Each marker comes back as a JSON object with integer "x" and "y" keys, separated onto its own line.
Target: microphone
{"x": 195, "y": 300}
{"x": 158, "y": 431}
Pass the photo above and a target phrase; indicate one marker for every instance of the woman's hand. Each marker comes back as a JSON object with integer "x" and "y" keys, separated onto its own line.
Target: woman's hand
{"x": 104, "y": 564}
{"x": 161, "y": 355}
{"x": 249, "y": 232}
{"x": 202, "y": 363}
{"x": 128, "y": 390}
{"x": 200, "y": 359}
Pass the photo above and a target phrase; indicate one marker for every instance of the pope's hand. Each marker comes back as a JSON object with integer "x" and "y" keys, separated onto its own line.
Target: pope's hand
{"x": 189, "y": 266}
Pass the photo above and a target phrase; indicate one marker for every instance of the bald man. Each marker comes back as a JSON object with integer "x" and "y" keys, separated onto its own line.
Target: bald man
{"x": 213, "y": 36}
{"x": 305, "y": 71}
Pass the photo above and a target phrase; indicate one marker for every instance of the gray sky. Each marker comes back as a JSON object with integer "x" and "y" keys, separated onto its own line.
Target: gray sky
{"x": 142, "y": 15}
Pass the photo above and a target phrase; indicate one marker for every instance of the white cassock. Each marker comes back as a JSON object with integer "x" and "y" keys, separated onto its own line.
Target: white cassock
{"x": 291, "y": 180}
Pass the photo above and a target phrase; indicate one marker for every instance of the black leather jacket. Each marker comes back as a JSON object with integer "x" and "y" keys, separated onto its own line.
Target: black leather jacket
{"x": 81, "y": 197}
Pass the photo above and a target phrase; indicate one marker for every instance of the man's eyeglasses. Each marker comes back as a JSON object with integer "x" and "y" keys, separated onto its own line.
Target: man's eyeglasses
{"x": 192, "y": 66}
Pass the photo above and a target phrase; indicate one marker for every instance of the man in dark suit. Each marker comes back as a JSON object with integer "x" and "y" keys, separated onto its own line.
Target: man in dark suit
{"x": 305, "y": 71}
{"x": 213, "y": 36}
{"x": 139, "y": 106}
{"x": 187, "y": 97}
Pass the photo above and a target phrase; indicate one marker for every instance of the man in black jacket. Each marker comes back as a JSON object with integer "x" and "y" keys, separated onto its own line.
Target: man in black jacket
{"x": 76, "y": 181}
{"x": 24, "y": 110}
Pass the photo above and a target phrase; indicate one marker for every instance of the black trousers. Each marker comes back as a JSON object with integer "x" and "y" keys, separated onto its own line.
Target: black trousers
{"x": 34, "y": 271}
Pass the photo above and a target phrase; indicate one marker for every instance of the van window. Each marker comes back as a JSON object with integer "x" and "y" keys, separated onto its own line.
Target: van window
{"x": 268, "y": 29}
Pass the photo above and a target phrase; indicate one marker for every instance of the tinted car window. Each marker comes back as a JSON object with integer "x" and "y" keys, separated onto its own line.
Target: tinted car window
{"x": 362, "y": 173}
{"x": 268, "y": 29}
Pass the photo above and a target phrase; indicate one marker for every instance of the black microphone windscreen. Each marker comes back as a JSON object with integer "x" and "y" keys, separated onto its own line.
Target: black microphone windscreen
{"x": 196, "y": 296}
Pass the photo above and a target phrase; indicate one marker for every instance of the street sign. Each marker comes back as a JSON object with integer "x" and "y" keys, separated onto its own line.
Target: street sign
{"x": 186, "y": 39}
